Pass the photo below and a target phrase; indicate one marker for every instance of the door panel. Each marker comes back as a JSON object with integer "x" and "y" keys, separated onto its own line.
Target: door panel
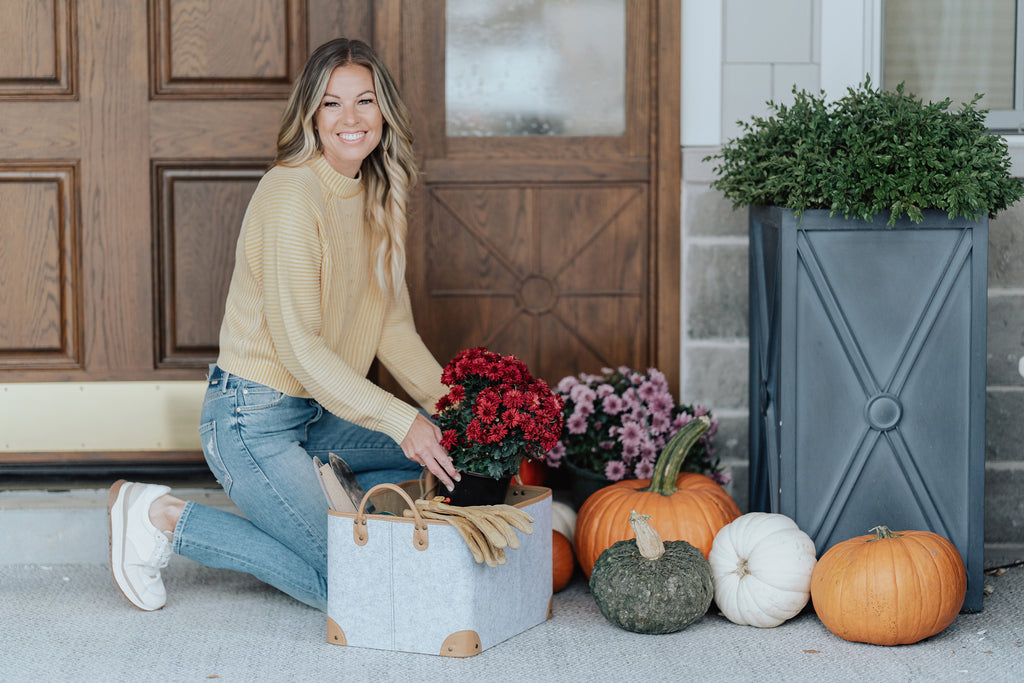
{"x": 42, "y": 324}
{"x": 39, "y": 59}
{"x": 542, "y": 269}
{"x": 549, "y": 246}
{"x": 226, "y": 48}
{"x": 193, "y": 252}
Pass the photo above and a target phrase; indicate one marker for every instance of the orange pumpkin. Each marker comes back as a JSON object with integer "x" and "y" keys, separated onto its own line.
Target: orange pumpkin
{"x": 683, "y": 507}
{"x": 889, "y": 588}
{"x": 532, "y": 472}
{"x": 563, "y": 562}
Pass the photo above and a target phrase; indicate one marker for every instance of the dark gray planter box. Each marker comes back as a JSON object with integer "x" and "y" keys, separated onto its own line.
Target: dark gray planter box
{"x": 867, "y": 376}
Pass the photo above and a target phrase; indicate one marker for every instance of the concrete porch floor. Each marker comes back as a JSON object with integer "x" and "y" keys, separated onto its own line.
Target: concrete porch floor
{"x": 65, "y": 620}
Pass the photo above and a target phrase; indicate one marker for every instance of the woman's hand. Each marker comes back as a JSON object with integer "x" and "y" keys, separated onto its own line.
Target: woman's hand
{"x": 422, "y": 444}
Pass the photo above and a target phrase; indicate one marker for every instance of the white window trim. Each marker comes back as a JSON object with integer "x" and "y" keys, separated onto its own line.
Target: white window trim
{"x": 701, "y": 68}
{"x": 851, "y": 46}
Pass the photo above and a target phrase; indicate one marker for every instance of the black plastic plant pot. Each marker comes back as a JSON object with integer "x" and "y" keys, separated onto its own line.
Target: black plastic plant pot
{"x": 479, "y": 489}
{"x": 867, "y": 376}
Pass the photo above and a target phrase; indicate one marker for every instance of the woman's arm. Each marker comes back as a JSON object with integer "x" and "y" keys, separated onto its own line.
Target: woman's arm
{"x": 290, "y": 261}
{"x": 406, "y": 357}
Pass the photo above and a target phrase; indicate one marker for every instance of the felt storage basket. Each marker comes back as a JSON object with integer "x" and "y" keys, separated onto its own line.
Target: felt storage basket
{"x": 412, "y": 585}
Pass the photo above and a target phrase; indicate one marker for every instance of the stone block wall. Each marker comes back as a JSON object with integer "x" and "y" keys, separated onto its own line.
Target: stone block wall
{"x": 714, "y": 337}
{"x": 1004, "y": 407}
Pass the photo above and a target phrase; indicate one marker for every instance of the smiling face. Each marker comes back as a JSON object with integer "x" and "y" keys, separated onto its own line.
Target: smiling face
{"x": 348, "y": 119}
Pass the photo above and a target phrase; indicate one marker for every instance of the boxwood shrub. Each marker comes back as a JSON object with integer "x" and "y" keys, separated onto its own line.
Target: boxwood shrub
{"x": 870, "y": 152}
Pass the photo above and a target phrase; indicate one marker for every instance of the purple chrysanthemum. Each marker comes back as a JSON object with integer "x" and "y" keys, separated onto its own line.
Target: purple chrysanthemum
{"x": 644, "y": 469}
{"x": 584, "y": 408}
{"x": 581, "y": 393}
{"x": 722, "y": 478}
{"x": 662, "y": 403}
{"x": 658, "y": 378}
{"x": 630, "y": 434}
{"x": 647, "y": 392}
{"x": 615, "y": 470}
{"x": 612, "y": 404}
{"x": 680, "y": 421}
{"x": 576, "y": 424}
{"x": 553, "y": 458}
{"x": 660, "y": 422}
{"x": 566, "y": 384}
{"x": 647, "y": 450}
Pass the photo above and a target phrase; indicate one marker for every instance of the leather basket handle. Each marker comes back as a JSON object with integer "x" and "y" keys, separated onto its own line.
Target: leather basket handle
{"x": 360, "y": 533}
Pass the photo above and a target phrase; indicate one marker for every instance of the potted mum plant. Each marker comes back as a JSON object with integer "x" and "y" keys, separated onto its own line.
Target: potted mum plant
{"x": 617, "y": 423}
{"x": 868, "y": 226}
{"x": 495, "y": 415}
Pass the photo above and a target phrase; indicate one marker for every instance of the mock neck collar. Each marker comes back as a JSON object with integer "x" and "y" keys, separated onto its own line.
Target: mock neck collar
{"x": 338, "y": 184}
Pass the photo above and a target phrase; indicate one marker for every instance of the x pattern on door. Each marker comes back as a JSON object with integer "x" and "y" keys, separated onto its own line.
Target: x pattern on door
{"x": 543, "y": 272}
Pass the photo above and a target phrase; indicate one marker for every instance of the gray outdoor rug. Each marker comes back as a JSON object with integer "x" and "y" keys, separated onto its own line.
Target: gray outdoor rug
{"x": 70, "y": 623}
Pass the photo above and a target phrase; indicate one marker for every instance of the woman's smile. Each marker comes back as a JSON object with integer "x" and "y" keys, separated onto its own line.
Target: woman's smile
{"x": 349, "y": 120}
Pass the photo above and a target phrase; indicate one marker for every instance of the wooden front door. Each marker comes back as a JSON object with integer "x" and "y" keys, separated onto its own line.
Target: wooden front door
{"x": 132, "y": 136}
{"x": 529, "y": 237}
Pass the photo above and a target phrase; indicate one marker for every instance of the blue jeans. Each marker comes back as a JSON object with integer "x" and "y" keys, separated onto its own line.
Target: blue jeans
{"x": 260, "y": 445}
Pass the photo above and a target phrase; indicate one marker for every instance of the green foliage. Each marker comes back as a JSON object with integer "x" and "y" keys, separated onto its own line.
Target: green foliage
{"x": 872, "y": 151}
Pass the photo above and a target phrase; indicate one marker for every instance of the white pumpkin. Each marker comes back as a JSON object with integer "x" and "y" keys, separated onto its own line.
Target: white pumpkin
{"x": 762, "y": 564}
{"x": 563, "y": 519}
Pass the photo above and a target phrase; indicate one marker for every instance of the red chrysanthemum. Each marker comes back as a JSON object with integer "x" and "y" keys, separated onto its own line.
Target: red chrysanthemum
{"x": 495, "y": 413}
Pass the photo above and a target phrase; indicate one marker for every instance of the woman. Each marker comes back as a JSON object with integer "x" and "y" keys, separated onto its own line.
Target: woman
{"x": 317, "y": 293}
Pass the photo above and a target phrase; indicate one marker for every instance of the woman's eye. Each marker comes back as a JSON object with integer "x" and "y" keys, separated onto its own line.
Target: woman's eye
{"x": 366, "y": 101}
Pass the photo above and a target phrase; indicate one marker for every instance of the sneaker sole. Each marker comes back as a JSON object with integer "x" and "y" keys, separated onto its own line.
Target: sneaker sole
{"x": 115, "y": 507}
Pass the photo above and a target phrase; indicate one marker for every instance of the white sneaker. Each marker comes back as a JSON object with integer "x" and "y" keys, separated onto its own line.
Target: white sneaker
{"x": 138, "y": 550}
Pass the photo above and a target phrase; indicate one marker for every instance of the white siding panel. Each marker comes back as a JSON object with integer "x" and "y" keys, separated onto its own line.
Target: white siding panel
{"x": 776, "y": 31}
{"x": 701, "y": 90}
{"x": 803, "y": 76}
{"x": 745, "y": 93}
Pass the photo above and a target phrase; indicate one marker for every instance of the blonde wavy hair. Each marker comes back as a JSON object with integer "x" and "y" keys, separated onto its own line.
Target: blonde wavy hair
{"x": 388, "y": 173}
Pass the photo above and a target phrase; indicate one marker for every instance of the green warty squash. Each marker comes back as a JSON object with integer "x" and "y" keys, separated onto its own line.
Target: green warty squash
{"x": 646, "y": 585}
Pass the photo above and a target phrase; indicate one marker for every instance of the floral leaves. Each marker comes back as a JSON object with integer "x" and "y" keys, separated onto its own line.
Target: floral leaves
{"x": 869, "y": 153}
{"x": 495, "y": 413}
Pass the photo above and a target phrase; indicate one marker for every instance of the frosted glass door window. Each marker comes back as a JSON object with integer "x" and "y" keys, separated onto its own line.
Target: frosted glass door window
{"x": 535, "y": 67}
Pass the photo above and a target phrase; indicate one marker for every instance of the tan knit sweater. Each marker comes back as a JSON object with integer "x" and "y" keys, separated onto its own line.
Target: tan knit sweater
{"x": 304, "y": 313}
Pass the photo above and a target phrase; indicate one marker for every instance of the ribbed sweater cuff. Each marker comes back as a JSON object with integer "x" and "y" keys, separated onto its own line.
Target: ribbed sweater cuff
{"x": 397, "y": 419}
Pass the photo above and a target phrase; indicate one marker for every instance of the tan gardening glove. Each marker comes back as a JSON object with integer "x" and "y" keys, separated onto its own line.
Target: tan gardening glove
{"x": 486, "y": 529}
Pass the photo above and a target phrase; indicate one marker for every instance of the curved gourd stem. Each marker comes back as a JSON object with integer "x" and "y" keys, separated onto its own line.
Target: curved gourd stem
{"x": 666, "y": 469}
{"x": 648, "y": 542}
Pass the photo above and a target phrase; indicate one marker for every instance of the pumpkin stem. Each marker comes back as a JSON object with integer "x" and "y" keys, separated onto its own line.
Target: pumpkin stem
{"x": 666, "y": 468}
{"x": 647, "y": 539}
{"x": 883, "y": 532}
